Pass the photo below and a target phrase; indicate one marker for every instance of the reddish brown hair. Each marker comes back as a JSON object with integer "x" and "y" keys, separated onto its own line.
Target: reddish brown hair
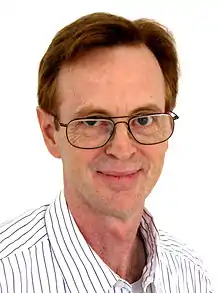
{"x": 106, "y": 30}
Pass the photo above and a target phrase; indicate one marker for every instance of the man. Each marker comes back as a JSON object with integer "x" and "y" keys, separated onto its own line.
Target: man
{"x": 107, "y": 90}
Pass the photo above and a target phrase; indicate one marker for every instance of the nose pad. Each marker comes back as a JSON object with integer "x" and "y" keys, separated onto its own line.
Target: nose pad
{"x": 115, "y": 130}
{"x": 121, "y": 144}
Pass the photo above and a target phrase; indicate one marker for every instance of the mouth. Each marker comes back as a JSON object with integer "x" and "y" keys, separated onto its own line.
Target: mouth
{"x": 119, "y": 174}
{"x": 122, "y": 180}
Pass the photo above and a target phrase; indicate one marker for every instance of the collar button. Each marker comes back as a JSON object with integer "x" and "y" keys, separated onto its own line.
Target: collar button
{"x": 123, "y": 286}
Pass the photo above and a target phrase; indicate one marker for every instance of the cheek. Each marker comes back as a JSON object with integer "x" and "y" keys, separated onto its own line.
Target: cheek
{"x": 155, "y": 154}
{"x": 78, "y": 161}
{"x": 159, "y": 152}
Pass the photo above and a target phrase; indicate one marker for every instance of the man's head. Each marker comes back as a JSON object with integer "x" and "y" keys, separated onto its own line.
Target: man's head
{"x": 105, "y": 66}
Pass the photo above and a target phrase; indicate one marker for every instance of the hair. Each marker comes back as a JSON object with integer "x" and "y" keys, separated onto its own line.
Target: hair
{"x": 99, "y": 30}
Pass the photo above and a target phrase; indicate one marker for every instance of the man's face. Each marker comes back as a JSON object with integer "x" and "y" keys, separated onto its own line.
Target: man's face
{"x": 116, "y": 178}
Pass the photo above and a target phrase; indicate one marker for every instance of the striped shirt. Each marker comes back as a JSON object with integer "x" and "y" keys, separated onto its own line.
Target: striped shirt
{"x": 43, "y": 251}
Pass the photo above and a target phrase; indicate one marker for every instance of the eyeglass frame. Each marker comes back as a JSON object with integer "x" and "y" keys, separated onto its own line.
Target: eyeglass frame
{"x": 175, "y": 117}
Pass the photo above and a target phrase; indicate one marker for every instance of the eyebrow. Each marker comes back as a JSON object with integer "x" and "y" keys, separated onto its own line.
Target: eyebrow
{"x": 91, "y": 110}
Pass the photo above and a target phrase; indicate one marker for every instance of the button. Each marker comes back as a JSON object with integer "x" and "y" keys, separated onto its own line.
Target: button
{"x": 123, "y": 285}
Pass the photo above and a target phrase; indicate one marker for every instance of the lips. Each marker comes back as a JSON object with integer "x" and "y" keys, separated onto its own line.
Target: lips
{"x": 118, "y": 174}
{"x": 118, "y": 181}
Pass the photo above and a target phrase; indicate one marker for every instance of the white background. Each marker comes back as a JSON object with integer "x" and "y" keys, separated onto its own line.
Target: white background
{"x": 186, "y": 198}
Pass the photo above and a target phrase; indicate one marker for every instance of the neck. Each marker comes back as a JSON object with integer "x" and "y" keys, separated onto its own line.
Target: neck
{"x": 117, "y": 242}
{"x": 123, "y": 251}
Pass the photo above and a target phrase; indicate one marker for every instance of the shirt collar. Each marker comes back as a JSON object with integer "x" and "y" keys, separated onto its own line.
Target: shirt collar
{"x": 80, "y": 266}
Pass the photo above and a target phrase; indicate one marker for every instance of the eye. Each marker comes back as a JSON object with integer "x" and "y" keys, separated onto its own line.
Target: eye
{"x": 144, "y": 120}
{"x": 98, "y": 123}
{"x": 91, "y": 122}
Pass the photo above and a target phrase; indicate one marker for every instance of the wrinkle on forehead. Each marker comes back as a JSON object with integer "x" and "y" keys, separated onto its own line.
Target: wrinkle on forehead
{"x": 118, "y": 77}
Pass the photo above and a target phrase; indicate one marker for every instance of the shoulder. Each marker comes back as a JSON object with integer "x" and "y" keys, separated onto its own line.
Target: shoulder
{"x": 177, "y": 248}
{"x": 183, "y": 261}
{"x": 23, "y": 231}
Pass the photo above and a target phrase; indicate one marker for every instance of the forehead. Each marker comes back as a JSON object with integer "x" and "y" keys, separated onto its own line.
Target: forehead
{"x": 117, "y": 80}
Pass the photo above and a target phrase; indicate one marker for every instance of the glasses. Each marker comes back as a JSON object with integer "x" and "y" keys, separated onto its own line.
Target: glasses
{"x": 94, "y": 132}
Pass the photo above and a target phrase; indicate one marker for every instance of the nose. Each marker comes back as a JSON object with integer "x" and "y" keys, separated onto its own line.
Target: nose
{"x": 122, "y": 145}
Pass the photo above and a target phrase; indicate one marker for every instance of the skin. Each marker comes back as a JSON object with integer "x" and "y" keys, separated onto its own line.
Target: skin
{"x": 108, "y": 209}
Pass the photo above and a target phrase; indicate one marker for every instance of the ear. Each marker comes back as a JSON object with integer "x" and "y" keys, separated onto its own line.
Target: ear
{"x": 49, "y": 132}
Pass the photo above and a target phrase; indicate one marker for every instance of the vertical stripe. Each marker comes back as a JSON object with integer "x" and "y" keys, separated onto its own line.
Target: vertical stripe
{"x": 67, "y": 273}
{"x": 53, "y": 274}
{"x": 25, "y": 270}
{"x": 20, "y": 277}
{"x": 12, "y": 273}
{"x": 45, "y": 266}
{"x": 78, "y": 253}
{"x": 200, "y": 285}
{"x": 163, "y": 279}
{"x": 16, "y": 276}
{"x": 69, "y": 257}
{"x": 34, "y": 281}
{"x": 100, "y": 267}
{"x": 85, "y": 257}
{"x": 3, "y": 279}
{"x": 41, "y": 275}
